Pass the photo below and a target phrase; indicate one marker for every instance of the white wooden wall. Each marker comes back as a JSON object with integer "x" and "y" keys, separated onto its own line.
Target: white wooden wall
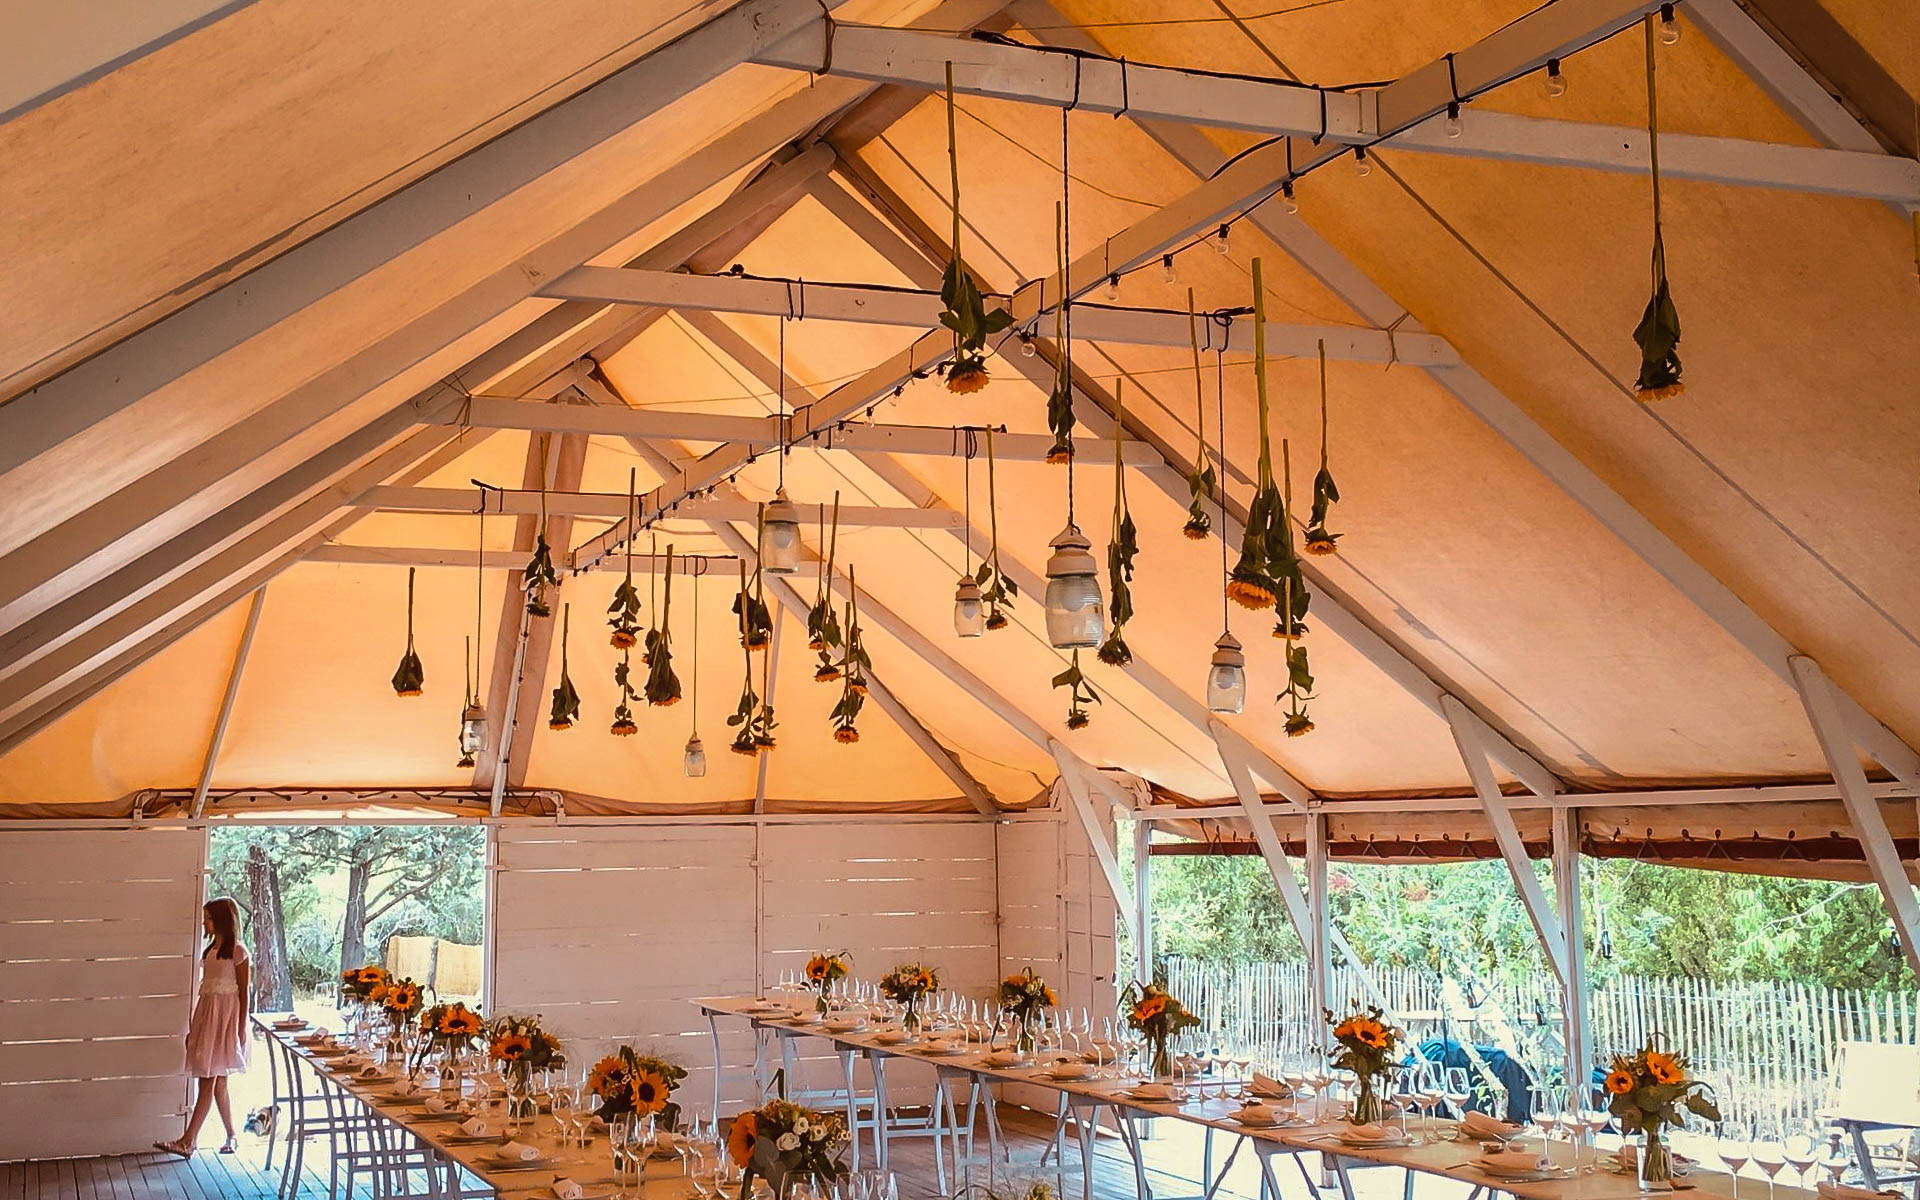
{"x": 99, "y": 930}
{"x": 608, "y": 930}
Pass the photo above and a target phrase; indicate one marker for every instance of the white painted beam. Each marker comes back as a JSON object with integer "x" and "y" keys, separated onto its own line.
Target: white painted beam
{"x": 1074, "y": 774}
{"x": 1863, "y": 810}
{"x": 1730, "y": 27}
{"x": 456, "y": 558}
{"x": 613, "y": 506}
{"x": 1142, "y": 900}
{"x": 219, "y": 736}
{"x": 536, "y": 640}
{"x": 1261, "y": 821}
{"x": 1468, "y": 737}
{"x": 35, "y": 421}
{"x": 757, "y": 432}
{"x": 869, "y": 304}
{"x": 1402, "y": 110}
{"x": 1575, "y": 999}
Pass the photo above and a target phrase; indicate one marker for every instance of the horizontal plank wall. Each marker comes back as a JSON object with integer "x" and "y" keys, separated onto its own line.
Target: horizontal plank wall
{"x": 99, "y": 930}
{"x": 607, "y": 930}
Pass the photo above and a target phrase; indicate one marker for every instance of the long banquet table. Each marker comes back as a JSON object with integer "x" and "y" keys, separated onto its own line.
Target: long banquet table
{"x": 1446, "y": 1158}
{"x": 665, "y": 1179}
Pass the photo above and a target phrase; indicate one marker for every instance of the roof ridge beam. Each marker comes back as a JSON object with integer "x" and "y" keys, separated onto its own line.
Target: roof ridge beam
{"x": 1396, "y": 115}
{"x": 614, "y": 506}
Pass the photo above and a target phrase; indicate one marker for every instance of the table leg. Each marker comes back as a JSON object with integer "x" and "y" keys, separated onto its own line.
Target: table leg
{"x": 879, "y": 1064}
{"x": 1861, "y": 1151}
{"x": 853, "y": 1104}
{"x": 719, "y": 1065}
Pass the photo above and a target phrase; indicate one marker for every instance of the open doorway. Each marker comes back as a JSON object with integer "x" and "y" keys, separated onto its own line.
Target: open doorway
{"x": 318, "y": 898}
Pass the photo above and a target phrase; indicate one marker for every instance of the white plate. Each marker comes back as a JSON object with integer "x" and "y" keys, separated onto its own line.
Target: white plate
{"x": 1394, "y": 1142}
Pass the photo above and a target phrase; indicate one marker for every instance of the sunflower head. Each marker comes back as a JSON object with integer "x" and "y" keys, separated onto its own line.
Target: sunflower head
{"x": 740, "y": 1138}
{"x": 1298, "y": 725}
{"x": 650, "y": 1093}
{"x": 511, "y": 1047}
{"x": 826, "y": 674}
{"x": 1664, "y": 1069}
{"x": 1078, "y": 719}
{"x": 1619, "y": 1083}
{"x": 1321, "y": 543}
{"x": 1249, "y": 592}
{"x": 846, "y": 735}
{"x": 967, "y": 376}
{"x": 997, "y": 619}
{"x": 623, "y": 727}
{"x": 1196, "y": 530}
{"x": 817, "y": 968}
{"x": 623, "y": 640}
{"x": 609, "y": 1077}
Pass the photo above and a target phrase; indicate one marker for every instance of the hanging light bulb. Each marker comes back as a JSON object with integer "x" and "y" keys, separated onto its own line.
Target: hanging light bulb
{"x": 473, "y": 729}
{"x": 694, "y": 761}
{"x": 1167, "y": 273}
{"x": 1026, "y": 346}
{"x": 1076, "y": 618}
{"x": 1454, "y": 128}
{"x": 780, "y": 537}
{"x": 1556, "y": 82}
{"x": 1227, "y": 677}
{"x": 1112, "y": 290}
{"x": 1219, "y": 241}
{"x": 1288, "y": 200}
{"x": 1361, "y": 166}
{"x": 969, "y": 617}
{"x": 1669, "y": 27}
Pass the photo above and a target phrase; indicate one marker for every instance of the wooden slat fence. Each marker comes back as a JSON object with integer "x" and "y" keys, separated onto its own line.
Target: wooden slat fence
{"x": 1768, "y": 1045}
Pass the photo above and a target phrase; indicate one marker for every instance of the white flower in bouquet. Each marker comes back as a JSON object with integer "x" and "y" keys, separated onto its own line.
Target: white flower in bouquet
{"x": 800, "y": 1125}
{"x": 788, "y": 1142}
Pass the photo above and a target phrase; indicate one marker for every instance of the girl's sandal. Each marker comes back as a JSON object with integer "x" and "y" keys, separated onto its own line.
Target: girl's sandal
{"x": 173, "y": 1148}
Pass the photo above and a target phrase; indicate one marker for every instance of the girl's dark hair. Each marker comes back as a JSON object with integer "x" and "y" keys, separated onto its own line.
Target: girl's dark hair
{"x": 225, "y": 915}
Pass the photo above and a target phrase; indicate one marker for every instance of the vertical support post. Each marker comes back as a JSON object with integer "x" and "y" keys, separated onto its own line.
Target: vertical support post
{"x": 1082, "y": 805}
{"x": 1143, "y": 899}
{"x": 1863, "y": 810}
{"x": 226, "y": 703}
{"x": 1577, "y": 1027}
{"x": 1319, "y": 972}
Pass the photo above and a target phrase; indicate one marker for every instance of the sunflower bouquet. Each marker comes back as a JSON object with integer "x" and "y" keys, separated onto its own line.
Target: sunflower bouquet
{"x": 1647, "y": 1090}
{"x": 784, "y": 1143}
{"x": 823, "y": 971}
{"x": 399, "y": 999}
{"x": 357, "y": 983}
{"x": 1153, "y": 1013}
{"x": 449, "y": 1028}
{"x": 909, "y": 984}
{"x": 1023, "y": 996}
{"x": 521, "y": 1046}
{"x": 628, "y": 1083}
{"x": 1365, "y": 1044}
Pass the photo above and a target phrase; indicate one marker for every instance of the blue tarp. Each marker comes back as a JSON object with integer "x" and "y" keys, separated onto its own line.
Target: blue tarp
{"x": 1511, "y": 1075}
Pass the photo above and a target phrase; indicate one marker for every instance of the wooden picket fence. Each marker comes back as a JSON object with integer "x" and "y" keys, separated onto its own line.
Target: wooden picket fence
{"x": 1769, "y": 1046}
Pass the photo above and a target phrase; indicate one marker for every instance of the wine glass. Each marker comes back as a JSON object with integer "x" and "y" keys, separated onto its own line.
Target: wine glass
{"x": 1769, "y": 1154}
{"x": 560, "y": 1103}
{"x": 1734, "y": 1147}
{"x": 1545, "y": 1110}
{"x": 1802, "y": 1147}
{"x": 1428, "y": 1091}
{"x": 1456, "y": 1090}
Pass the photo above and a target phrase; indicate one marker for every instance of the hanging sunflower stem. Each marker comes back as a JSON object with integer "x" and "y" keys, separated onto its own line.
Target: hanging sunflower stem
{"x": 823, "y": 626}
{"x": 1201, "y": 482}
{"x": 624, "y": 613}
{"x": 1060, "y": 400}
{"x": 1325, "y": 492}
{"x": 756, "y": 623}
{"x": 1080, "y": 693}
{"x": 623, "y": 722}
{"x": 565, "y": 708}
{"x": 1253, "y": 582}
{"x": 966, "y": 310}
{"x": 1284, "y": 564}
{"x": 409, "y": 678}
{"x": 1299, "y": 688}
{"x": 540, "y": 575}
{"x": 742, "y": 719}
{"x": 1122, "y": 547}
{"x": 1658, "y": 333}
{"x": 663, "y": 686}
{"x": 996, "y": 590}
{"x": 853, "y": 687}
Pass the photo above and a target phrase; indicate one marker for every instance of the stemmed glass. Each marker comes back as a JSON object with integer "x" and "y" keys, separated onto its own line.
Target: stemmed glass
{"x": 1734, "y": 1147}
{"x": 560, "y": 1102}
{"x": 1456, "y": 1091}
{"x": 1769, "y": 1155}
{"x": 1545, "y": 1109}
{"x": 1428, "y": 1092}
{"x": 1803, "y": 1147}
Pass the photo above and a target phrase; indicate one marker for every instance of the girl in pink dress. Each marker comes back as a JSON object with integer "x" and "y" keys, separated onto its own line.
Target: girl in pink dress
{"x": 218, "y": 1034}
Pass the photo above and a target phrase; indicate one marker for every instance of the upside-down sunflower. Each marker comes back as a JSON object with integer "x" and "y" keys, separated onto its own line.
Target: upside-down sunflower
{"x": 846, "y": 735}
{"x": 1619, "y": 1082}
{"x": 740, "y": 1138}
{"x": 1298, "y": 725}
{"x": 649, "y": 1093}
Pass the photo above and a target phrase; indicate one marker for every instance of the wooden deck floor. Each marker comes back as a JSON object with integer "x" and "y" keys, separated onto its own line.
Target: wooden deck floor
{"x": 1174, "y": 1167}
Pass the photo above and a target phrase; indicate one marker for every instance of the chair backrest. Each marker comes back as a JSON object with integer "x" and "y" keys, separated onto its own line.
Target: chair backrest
{"x": 1877, "y": 1081}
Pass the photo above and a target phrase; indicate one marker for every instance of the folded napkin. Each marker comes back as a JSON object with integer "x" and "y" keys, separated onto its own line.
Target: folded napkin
{"x": 1513, "y": 1160}
{"x": 518, "y": 1151}
{"x": 939, "y": 1045}
{"x": 664, "y": 1141}
{"x": 405, "y": 1087}
{"x": 1369, "y": 1133}
{"x": 476, "y": 1127}
{"x": 1262, "y": 1082}
{"x": 1257, "y": 1113}
{"x": 1842, "y": 1191}
{"x": 1480, "y": 1125}
{"x": 371, "y": 1071}
{"x": 1153, "y": 1091}
{"x": 437, "y": 1103}
{"x": 567, "y": 1189}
